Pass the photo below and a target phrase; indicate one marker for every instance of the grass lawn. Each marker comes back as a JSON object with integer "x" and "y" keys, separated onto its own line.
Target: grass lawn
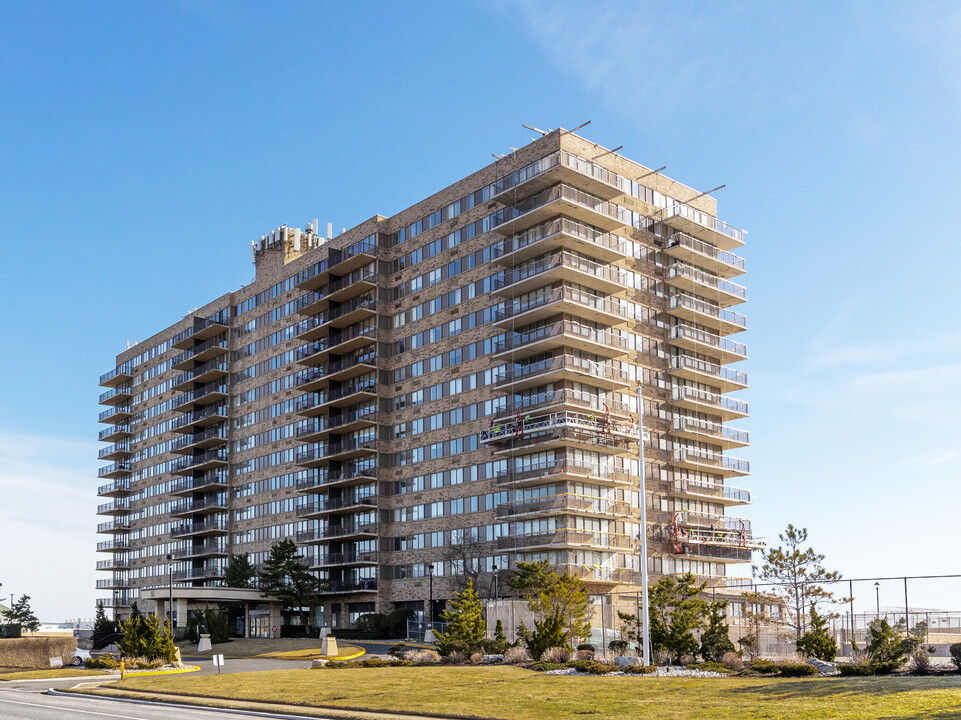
{"x": 15, "y": 674}
{"x": 509, "y": 693}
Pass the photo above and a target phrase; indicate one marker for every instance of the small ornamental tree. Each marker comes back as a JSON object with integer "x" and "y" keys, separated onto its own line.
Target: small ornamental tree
{"x": 102, "y": 627}
{"x": 21, "y": 614}
{"x": 284, "y": 576}
{"x": 887, "y": 645}
{"x": 559, "y": 601}
{"x": 817, "y": 642}
{"x": 716, "y": 638}
{"x": 464, "y": 618}
{"x": 677, "y": 610}
{"x": 145, "y": 637}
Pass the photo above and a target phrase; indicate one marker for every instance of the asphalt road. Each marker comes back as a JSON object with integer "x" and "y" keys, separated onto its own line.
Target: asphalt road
{"x": 17, "y": 705}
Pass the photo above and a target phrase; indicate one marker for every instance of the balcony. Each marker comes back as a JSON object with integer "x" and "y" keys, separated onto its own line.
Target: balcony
{"x": 315, "y": 429}
{"x": 117, "y": 563}
{"x": 563, "y": 333}
{"x": 111, "y": 583}
{"x": 117, "y": 451}
{"x": 559, "y": 166}
{"x": 352, "y": 311}
{"x": 560, "y": 200}
{"x": 208, "y": 527}
{"x": 199, "y": 550}
{"x": 720, "y": 537}
{"x": 320, "y": 480}
{"x": 117, "y": 376}
{"x": 561, "y": 300}
{"x": 718, "y": 493}
{"x": 206, "y": 506}
{"x": 209, "y": 482}
{"x": 114, "y": 433}
{"x": 703, "y": 342}
{"x": 199, "y": 397}
{"x": 565, "y": 469}
{"x": 340, "y": 532}
{"x": 559, "y": 399}
{"x": 199, "y": 440}
{"x": 116, "y": 395}
{"x": 117, "y": 544}
{"x": 196, "y": 463}
{"x": 715, "y": 552}
{"x": 115, "y": 415}
{"x": 118, "y": 602}
{"x": 564, "y": 537}
{"x": 566, "y": 504}
{"x": 337, "y": 505}
{"x": 560, "y": 234}
{"x": 709, "y": 432}
{"x": 708, "y": 257}
{"x": 311, "y": 379}
{"x": 117, "y": 488}
{"x": 313, "y": 277}
{"x": 205, "y": 573}
{"x": 114, "y": 470}
{"x": 345, "y": 558}
{"x": 311, "y": 303}
{"x": 120, "y": 524}
{"x": 352, "y": 257}
{"x": 561, "y": 429}
{"x": 702, "y": 371}
{"x": 352, "y": 586}
{"x": 692, "y": 280}
{"x": 199, "y": 354}
{"x": 351, "y": 394}
{"x": 560, "y": 267}
{"x": 341, "y": 369}
{"x": 609, "y": 376}
{"x": 119, "y": 506}
{"x": 710, "y": 403}
{"x": 695, "y": 458}
{"x": 701, "y": 312}
{"x": 701, "y": 226}
{"x": 202, "y": 329}
{"x": 204, "y": 417}
{"x": 321, "y": 453}
{"x": 202, "y": 374}
{"x": 350, "y": 286}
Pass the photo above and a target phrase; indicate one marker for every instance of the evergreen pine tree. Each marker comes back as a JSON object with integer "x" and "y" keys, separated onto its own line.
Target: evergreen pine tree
{"x": 716, "y": 638}
{"x": 284, "y": 576}
{"x": 239, "y": 572}
{"x": 816, "y": 642}
{"x": 464, "y": 618}
{"x": 21, "y": 614}
{"x": 102, "y": 627}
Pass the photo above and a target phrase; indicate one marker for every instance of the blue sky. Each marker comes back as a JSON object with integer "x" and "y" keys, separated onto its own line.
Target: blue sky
{"x": 165, "y": 136}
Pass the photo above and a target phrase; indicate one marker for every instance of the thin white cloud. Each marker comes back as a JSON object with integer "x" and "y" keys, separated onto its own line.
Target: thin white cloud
{"x": 47, "y": 523}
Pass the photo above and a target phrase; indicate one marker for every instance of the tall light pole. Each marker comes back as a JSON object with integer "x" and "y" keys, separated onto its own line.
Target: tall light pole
{"x": 430, "y": 602}
{"x": 877, "y": 597}
{"x": 170, "y": 589}
{"x": 645, "y": 612}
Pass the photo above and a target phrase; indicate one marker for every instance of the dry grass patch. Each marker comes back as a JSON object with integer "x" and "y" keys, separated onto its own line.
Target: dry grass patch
{"x": 345, "y": 652}
{"x": 6, "y": 674}
{"x": 510, "y": 693}
{"x": 34, "y": 653}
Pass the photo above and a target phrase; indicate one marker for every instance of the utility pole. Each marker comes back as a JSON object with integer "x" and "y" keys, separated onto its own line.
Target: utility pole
{"x": 645, "y": 609}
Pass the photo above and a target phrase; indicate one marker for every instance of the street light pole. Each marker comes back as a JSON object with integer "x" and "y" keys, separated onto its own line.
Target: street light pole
{"x": 170, "y": 589}
{"x": 430, "y": 602}
{"x": 645, "y": 613}
{"x": 877, "y": 597}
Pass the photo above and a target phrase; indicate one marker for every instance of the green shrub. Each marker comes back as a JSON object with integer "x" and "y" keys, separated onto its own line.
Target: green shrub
{"x": 592, "y": 666}
{"x": 882, "y": 667}
{"x": 640, "y": 669}
{"x": 759, "y": 665}
{"x": 617, "y": 646}
{"x": 542, "y": 666}
{"x": 397, "y": 650}
{"x": 214, "y": 621}
{"x": 955, "y": 651}
{"x": 494, "y": 645}
{"x": 855, "y": 669}
{"x": 587, "y": 646}
{"x": 797, "y": 670}
{"x": 104, "y": 662}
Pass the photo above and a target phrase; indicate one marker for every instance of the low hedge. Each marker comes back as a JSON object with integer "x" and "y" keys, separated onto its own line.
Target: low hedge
{"x": 34, "y": 653}
{"x": 855, "y": 669}
{"x": 796, "y": 670}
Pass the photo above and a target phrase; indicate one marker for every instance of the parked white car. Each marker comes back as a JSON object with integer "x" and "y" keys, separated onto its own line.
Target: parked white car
{"x": 80, "y": 655}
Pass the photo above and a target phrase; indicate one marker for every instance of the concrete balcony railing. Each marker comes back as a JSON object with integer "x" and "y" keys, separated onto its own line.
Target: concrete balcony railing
{"x": 701, "y": 225}
{"x": 711, "y": 491}
{"x": 701, "y": 341}
{"x": 561, "y": 200}
{"x": 713, "y": 259}
{"x": 565, "y": 333}
{"x": 607, "y": 310}
{"x": 565, "y": 467}
{"x": 693, "y": 368}
{"x": 709, "y": 432}
{"x": 564, "y": 266}
{"x": 566, "y": 504}
{"x": 561, "y": 233}
{"x": 600, "y": 374}
{"x": 575, "y": 398}
{"x": 564, "y": 536}
{"x": 706, "y": 460}
{"x": 694, "y": 280}
{"x": 711, "y": 403}
{"x": 708, "y": 314}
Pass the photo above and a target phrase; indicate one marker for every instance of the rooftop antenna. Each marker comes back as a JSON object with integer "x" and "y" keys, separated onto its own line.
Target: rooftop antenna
{"x": 706, "y": 192}
{"x": 652, "y": 172}
{"x": 512, "y": 148}
{"x": 582, "y": 125}
{"x": 608, "y": 152}
{"x": 496, "y": 156}
{"x": 537, "y": 130}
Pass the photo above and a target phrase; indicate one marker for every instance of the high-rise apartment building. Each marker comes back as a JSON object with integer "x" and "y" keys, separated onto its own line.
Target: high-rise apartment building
{"x": 448, "y": 390}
